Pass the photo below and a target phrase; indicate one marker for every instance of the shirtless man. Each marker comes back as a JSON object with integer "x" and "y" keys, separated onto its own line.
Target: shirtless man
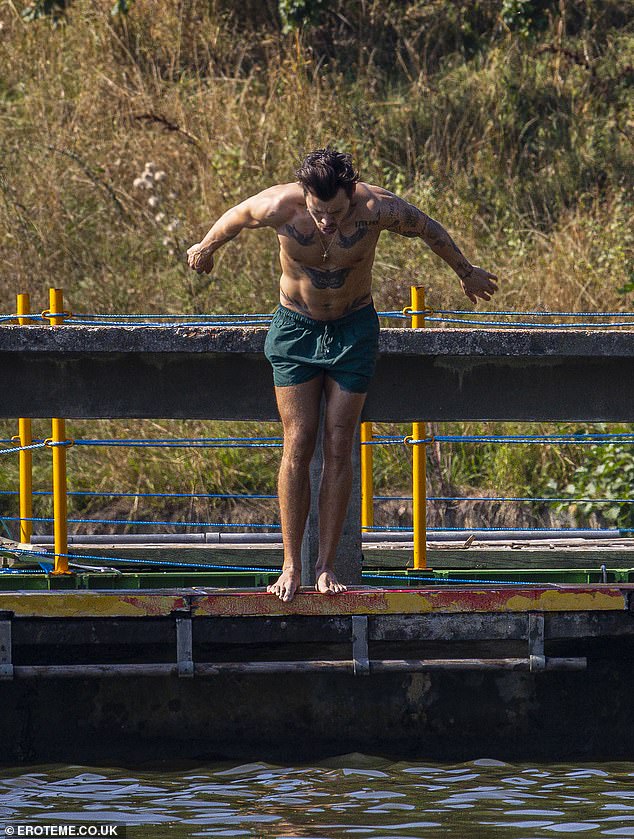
{"x": 323, "y": 337}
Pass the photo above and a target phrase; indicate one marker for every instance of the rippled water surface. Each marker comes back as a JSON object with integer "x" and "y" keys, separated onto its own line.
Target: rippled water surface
{"x": 352, "y": 795}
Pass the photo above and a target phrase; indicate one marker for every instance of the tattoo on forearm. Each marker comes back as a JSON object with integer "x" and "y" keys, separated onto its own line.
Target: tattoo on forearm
{"x": 435, "y": 234}
{"x": 327, "y": 279}
{"x": 300, "y": 238}
{"x": 441, "y": 243}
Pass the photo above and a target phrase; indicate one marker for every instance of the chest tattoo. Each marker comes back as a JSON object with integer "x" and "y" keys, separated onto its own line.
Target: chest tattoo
{"x": 300, "y": 238}
{"x": 350, "y": 241}
{"x": 327, "y": 279}
{"x": 362, "y": 229}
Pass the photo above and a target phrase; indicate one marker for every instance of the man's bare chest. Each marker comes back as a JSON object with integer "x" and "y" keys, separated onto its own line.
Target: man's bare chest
{"x": 302, "y": 242}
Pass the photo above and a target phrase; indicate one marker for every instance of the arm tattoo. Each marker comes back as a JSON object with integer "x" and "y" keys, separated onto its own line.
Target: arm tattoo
{"x": 441, "y": 243}
{"x": 300, "y": 238}
{"x": 326, "y": 279}
{"x": 406, "y": 219}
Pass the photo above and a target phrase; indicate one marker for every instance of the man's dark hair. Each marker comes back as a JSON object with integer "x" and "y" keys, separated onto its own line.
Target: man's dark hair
{"x": 324, "y": 171}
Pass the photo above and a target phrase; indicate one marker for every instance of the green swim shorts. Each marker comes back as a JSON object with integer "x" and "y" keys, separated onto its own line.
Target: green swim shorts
{"x": 300, "y": 348}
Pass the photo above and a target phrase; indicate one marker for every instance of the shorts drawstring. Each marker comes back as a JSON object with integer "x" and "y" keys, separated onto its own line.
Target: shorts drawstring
{"x": 327, "y": 339}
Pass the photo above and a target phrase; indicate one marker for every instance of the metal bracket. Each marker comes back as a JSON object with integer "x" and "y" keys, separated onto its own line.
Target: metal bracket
{"x": 360, "y": 662}
{"x": 536, "y": 657}
{"x": 184, "y": 647}
{"x": 6, "y": 665}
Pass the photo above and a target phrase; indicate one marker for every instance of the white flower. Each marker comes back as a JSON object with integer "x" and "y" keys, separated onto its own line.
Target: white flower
{"x": 171, "y": 196}
{"x": 159, "y": 217}
{"x": 160, "y": 176}
{"x": 150, "y": 168}
{"x": 171, "y": 227}
{"x": 154, "y": 201}
{"x": 148, "y": 180}
{"x": 138, "y": 183}
{"x": 167, "y": 241}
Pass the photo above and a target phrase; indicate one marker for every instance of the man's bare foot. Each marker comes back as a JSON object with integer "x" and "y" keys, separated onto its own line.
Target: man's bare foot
{"x": 327, "y": 583}
{"x": 286, "y": 584}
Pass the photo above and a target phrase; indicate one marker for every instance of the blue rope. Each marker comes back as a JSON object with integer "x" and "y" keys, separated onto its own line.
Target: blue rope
{"x": 130, "y": 560}
{"x": 149, "y": 494}
{"x": 549, "y": 499}
{"x": 510, "y": 439}
{"x": 251, "y": 569}
{"x": 457, "y": 580}
{"x": 190, "y": 442}
{"x": 256, "y": 496}
{"x": 148, "y": 523}
{"x": 22, "y": 448}
{"x": 243, "y": 316}
{"x": 471, "y": 528}
{"x": 248, "y": 316}
{"x": 73, "y": 322}
{"x": 521, "y": 325}
{"x": 21, "y": 571}
{"x": 536, "y": 314}
{"x": 533, "y": 439}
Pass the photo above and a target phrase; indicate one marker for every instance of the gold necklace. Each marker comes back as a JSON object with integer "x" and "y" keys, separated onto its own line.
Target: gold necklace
{"x": 326, "y": 250}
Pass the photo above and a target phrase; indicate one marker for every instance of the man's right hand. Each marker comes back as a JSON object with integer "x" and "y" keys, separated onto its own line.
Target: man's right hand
{"x": 200, "y": 259}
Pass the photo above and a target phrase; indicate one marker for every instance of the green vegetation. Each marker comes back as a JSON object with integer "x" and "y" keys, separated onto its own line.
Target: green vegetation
{"x": 511, "y": 121}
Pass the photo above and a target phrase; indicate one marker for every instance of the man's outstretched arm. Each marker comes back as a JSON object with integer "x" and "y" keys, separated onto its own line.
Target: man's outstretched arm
{"x": 408, "y": 220}
{"x": 261, "y": 210}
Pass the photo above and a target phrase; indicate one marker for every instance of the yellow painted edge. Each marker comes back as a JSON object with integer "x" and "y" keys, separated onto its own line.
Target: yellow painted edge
{"x": 247, "y": 603}
{"x": 89, "y": 604}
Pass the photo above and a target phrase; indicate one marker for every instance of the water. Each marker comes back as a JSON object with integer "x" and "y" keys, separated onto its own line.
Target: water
{"x": 348, "y": 796}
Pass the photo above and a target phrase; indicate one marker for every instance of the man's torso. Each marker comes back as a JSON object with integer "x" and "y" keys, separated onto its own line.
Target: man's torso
{"x": 326, "y": 277}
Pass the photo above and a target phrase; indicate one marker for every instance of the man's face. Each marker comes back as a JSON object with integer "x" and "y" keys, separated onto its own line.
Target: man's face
{"x": 328, "y": 215}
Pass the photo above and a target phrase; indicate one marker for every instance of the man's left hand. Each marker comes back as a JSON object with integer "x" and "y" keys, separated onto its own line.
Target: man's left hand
{"x": 478, "y": 283}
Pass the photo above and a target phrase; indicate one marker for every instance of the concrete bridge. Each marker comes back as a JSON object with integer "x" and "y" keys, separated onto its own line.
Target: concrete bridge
{"x": 220, "y": 373}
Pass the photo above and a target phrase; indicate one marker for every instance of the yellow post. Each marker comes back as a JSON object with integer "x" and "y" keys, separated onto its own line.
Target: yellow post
{"x": 419, "y": 455}
{"x": 26, "y": 439}
{"x": 60, "y": 501}
{"x": 367, "y": 487}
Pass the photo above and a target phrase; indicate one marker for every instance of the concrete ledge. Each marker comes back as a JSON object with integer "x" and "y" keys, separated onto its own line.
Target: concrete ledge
{"x": 220, "y": 373}
{"x": 357, "y": 601}
{"x": 593, "y": 343}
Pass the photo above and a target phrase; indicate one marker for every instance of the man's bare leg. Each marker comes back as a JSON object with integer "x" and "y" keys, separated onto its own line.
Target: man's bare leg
{"x": 298, "y": 406}
{"x": 343, "y": 410}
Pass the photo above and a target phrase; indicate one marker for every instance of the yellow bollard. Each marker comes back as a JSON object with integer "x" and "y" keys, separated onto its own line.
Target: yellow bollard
{"x": 367, "y": 487}
{"x": 419, "y": 456}
{"x": 26, "y": 439}
{"x": 60, "y": 500}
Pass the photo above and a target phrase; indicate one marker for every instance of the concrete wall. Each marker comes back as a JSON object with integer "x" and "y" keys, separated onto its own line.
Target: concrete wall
{"x": 221, "y": 373}
{"x": 439, "y": 716}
